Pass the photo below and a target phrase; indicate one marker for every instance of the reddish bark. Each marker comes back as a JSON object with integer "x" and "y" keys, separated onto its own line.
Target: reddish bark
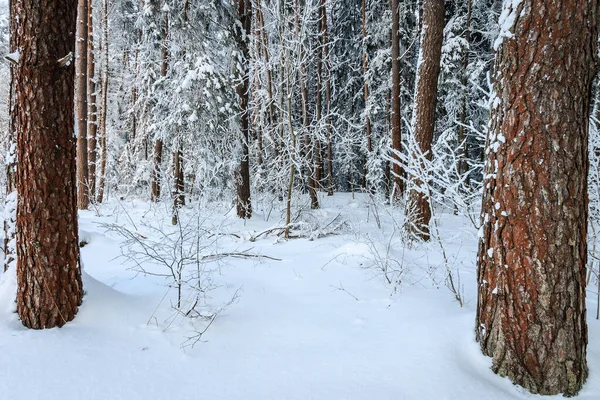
{"x": 92, "y": 108}
{"x": 103, "y": 114}
{"x": 396, "y": 110}
{"x": 81, "y": 107}
{"x": 432, "y": 35}
{"x": 48, "y": 271}
{"x": 242, "y": 178}
{"x": 531, "y": 316}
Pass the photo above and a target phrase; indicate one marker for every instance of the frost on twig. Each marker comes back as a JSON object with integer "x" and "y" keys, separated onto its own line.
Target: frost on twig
{"x": 13, "y": 57}
{"x": 66, "y": 60}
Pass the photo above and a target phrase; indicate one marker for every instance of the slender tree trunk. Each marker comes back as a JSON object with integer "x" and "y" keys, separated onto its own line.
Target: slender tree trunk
{"x": 48, "y": 270}
{"x": 432, "y": 35}
{"x": 463, "y": 144}
{"x": 308, "y": 143}
{"x": 104, "y": 106}
{"x": 397, "y": 172}
{"x": 178, "y": 177}
{"x": 158, "y": 143}
{"x": 531, "y": 312}
{"x": 242, "y": 179}
{"x": 92, "y": 107}
{"x": 10, "y": 203}
{"x": 256, "y": 87}
{"x": 319, "y": 100}
{"x": 271, "y": 102}
{"x": 365, "y": 80}
{"x": 330, "y": 185}
{"x": 81, "y": 107}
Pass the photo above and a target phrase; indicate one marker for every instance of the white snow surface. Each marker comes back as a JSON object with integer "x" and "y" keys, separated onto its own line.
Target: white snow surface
{"x": 293, "y": 334}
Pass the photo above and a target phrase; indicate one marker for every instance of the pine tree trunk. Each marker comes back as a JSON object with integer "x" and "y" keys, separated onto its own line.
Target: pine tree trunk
{"x": 271, "y": 102}
{"x": 92, "y": 108}
{"x": 178, "y": 185}
{"x": 330, "y": 185}
{"x": 432, "y": 35}
{"x": 365, "y": 72}
{"x": 396, "y": 110}
{"x": 308, "y": 142}
{"x": 319, "y": 98}
{"x": 10, "y": 203}
{"x": 48, "y": 271}
{"x": 242, "y": 178}
{"x": 463, "y": 144}
{"x": 104, "y": 106}
{"x": 158, "y": 143}
{"x": 81, "y": 107}
{"x": 531, "y": 313}
{"x": 178, "y": 177}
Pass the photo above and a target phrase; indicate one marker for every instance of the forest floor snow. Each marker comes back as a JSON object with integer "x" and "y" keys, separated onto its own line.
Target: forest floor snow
{"x": 322, "y": 322}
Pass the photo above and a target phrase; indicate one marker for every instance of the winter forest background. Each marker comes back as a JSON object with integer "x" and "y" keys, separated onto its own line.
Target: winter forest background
{"x": 282, "y": 203}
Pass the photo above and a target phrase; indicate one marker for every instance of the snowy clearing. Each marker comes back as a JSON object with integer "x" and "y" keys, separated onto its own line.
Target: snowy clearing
{"x": 322, "y": 323}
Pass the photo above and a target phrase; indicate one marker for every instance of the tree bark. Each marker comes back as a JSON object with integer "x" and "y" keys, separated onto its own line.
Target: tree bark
{"x": 432, "y": 35}
{"x": 242, "y": 178}
{"x": 81, "y": 107}
{"x": 48, "y": 270}
{"x": 92, "y": 107}
{"x": 365, "y": 80}
{"x": 10, "y": 203}
{"x": 104, "y": 106}
{"x": 308, "y": 142}
{"x": 330, "y": 185}
{"x": 158, "y": 143}
{"x": 270, "y": 99}
{"x": 463, "y": 144}
{"x": 531, "y": 313}
{"x": 178, "y": 177}
{"x": 396, "y": 110}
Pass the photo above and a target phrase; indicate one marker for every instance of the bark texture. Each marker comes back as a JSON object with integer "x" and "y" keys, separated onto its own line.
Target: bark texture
{"x": 10, "y": 203}
{"x": 92, "y": 107}
{"x": 308, "y": 142}
{"x": 48, "y": 271}
{"x": 158, "y": 143}
{"x": 329, "y": 150}
{"x": 462, "y": 166}
{"x": 532, "y": 254}
{"x": 81, "y": 107}
{"x": 396, "y": 119}
{"x": 432, "y": 35}
{"x": 242, "y": 178}
{"x": 104, "y": 110}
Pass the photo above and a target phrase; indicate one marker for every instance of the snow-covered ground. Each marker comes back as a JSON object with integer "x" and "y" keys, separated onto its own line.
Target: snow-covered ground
{"x": 320, "y": 323}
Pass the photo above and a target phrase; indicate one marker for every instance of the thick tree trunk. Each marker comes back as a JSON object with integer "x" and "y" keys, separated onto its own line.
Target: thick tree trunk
{"x": 48, "y": 271}
{"x": 531, "y": 315}
{"x": 432, "y": 35}
{"x": 242, "y": 178}
{"x": 396, "y": 110}
{"x": 104, "y": 106}
{"x": 81, "y": 107}
{"x": 92, "y": 108}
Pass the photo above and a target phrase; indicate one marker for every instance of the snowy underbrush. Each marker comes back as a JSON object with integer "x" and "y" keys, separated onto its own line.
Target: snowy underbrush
{"x": 315, "y": 315}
